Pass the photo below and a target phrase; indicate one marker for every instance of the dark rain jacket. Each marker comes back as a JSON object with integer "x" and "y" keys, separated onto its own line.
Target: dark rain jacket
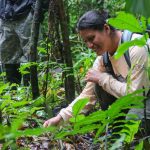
{"x": 15, "y": 9}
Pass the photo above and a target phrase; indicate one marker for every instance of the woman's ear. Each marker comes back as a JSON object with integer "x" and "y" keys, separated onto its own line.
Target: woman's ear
{"x": 107, "y": 28}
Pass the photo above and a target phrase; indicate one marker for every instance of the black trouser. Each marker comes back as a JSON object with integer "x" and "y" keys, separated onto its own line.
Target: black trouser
{"x": 13, "y": 74}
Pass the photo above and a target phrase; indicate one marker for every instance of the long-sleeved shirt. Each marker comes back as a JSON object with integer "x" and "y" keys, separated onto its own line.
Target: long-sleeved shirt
{"x": 139, "y": 79}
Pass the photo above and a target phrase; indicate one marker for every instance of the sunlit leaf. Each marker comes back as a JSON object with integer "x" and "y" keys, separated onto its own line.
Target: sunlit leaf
{"x": 79, "y": 105}
{"x": 25, "y": 67}
{"x": 42, "y": 50}
{"x": 3, "y": 87}
{"x": 77, "y": 118}
{"x": 126, "y": 45}
{"x": 36, "y": 131}
{"x": 133, "y": 129}
{"x": 139, "y": 146}
{"x": 126, "y": 21}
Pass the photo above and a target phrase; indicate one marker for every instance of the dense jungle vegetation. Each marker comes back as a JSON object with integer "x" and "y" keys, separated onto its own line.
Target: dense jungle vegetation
{"x": 57, "y": 78}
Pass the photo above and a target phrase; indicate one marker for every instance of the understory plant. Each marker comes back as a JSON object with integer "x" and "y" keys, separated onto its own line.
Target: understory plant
{"x": 100, "y": 122}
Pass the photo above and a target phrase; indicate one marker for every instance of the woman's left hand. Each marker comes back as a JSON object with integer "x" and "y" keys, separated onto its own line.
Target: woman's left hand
{"x": 93, "y": 75}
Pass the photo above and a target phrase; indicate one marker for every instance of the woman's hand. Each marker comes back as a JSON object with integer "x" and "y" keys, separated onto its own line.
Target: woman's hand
{"x": 93, "y": 75}
{"x": 53, "y": 121}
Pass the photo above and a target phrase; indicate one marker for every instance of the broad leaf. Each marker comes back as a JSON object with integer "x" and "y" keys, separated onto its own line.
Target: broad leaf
{"x": 16, "y": 123}
{"x": 3, "y": 87}
{"x": 79, "y": 105}
{"x": 132, "y": 130}
{"x": 125, "y": 46}
{"x": 126, "y": 21}
{"x": 139, "y": 146}
{"x": 138, "y": 7}
{"x": 77, "y": 119}
{"x": 82, "y": 130}
{"x": 36, "y": 131}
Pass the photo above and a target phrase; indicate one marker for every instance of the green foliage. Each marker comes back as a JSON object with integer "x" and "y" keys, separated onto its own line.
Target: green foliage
{"x": 99, "y": 119}
{"x": 83, "y": 62}
{"x": 122, "y": 22}
{"x": 125, "y": 46}
{"x": 24, "y": 69}
{"x": 10, "y": 133}
{"x": 118, "y": 143}
{"x": 77, "y": 108}
{"x": 3, "y": 87}
{"x": 131, "y": 128}
{"x": 139, "y": 26}
{"x": 18, "y": 108}
{"x": 139, "y": 146}
{"x": 75, "y": 12}
{"x": 113, "y": 6}
{"x": 138, "y": 7}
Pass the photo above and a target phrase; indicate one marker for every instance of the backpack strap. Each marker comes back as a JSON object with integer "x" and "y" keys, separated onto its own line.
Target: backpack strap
{"x": 107, "y": 64}
{"x": 125, "y": 37}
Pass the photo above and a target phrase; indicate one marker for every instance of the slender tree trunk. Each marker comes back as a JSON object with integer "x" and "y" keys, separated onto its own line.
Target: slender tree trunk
{"x": 69, "y": 77}
{"x": 33, "y": 54}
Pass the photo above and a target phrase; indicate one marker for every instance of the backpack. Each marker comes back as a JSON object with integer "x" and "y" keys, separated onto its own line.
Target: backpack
{"x": 107, "y": 99}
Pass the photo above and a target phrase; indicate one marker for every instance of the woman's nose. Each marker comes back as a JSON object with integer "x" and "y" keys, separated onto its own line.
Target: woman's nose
{"x": 89, "y": 44}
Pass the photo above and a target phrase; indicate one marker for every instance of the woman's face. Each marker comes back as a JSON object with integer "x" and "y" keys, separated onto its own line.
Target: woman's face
{"x": 98, "y": 41}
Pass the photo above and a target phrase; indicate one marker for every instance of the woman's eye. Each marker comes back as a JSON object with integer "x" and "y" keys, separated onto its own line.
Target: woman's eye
{"x": 90, "y": 39}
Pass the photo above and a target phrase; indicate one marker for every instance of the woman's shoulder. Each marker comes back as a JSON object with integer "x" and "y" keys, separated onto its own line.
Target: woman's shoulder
{"x": 98, "y": 63}
{"x": 138, "y": 51}
{"x": 136, "y": 35}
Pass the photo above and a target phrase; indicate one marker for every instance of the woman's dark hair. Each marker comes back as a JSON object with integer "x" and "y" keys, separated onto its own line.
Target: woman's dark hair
{"x": 93, "y": 20}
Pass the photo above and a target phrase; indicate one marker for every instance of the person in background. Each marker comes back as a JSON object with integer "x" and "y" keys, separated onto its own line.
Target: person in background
{"x": 15, "y": 31}
{"x": 101, "y": 37}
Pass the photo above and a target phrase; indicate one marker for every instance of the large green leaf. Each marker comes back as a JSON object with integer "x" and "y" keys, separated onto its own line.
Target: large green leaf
{"x": 77, "y": 119}
{"x": 139, "y": 146}
{"x": 3, "y": 87}
{"x": 126, "y": 21}
{"x": 131, "y": 129}
{"x": 16, "y": 123}
{"x": 125, "y": 46}
{"x": 35, "y": 131}
{"x": 98, "y": 120}
{"x": 82, "y": 130}
{"x": 79, "y": 105}
{"x": 138, "y": 7}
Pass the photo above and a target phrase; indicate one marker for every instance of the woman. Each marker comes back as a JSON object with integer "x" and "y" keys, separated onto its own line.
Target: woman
{"x": 101, "y": 38}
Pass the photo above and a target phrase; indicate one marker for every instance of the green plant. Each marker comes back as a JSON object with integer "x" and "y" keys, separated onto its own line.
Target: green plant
{"x": 97, "y": 121}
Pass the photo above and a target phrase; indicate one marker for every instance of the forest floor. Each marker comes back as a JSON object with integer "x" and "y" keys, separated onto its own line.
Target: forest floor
{"x": 45, "y": 143}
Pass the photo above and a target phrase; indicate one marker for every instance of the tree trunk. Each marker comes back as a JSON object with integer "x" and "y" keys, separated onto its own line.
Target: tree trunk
{"x": 33, "y": 52}
{"x": 69, "y": 77}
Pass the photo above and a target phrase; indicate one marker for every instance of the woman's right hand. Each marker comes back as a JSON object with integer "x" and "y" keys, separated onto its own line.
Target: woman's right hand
{"x": 53, "y": 121}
